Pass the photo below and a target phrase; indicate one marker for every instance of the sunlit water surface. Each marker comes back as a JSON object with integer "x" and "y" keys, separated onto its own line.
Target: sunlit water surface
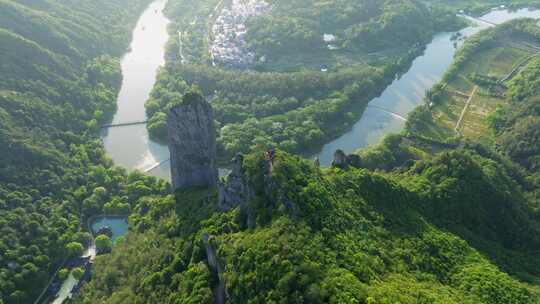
{"x": 408, "y": 92}
{"x": 131, "y": 147}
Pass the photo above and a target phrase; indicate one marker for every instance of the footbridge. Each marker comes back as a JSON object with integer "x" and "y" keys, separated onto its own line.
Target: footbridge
{"x": 124, "y": 124}
{"x": 156, "y": 165}
{"x": 399, "y": 116}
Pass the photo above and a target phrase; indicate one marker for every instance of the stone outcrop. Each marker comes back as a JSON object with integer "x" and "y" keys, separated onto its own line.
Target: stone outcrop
{"x": 192, "y": 143}
{"x": 340, "y": 159}
{"x": 343, "y": 161}
{"x": 235, "y": 191}
{"x": 238, "y": 190}
{"x": 220, "y": 292}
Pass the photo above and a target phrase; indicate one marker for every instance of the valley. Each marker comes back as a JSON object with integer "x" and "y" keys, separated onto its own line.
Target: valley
{"x": 435, "y": 213}
{"x": 383, "y": 151}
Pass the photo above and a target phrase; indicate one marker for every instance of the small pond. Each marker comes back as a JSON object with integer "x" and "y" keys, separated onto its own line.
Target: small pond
{"x": 118, "y": 225}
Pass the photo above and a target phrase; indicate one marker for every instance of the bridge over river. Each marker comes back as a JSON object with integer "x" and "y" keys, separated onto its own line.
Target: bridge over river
{"x": 397, "y": 115}
{"x": 124, "y": 124}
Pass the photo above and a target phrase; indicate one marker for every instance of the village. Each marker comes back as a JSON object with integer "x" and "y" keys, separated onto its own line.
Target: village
{"x": 229, "y": 45}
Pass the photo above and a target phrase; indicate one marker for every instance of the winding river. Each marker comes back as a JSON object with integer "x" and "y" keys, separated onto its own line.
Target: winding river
{"x": 408, "y": 92}
{"x": 130, "y": 146}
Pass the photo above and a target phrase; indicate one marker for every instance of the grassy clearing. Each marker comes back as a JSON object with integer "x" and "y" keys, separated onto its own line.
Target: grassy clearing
{"x": 495, "y": 62}
{"x": 475, "y": 123}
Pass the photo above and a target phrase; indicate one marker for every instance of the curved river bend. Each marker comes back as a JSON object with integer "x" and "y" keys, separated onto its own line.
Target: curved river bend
{"x": 131, "y": 147}
{"x": 408, "y": 92}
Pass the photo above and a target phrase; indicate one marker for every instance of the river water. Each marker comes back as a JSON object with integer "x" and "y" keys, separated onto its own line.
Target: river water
{"x": 408, "y": 92}
{"x": 118, "y": 225}
{"x": 131, "y": 147}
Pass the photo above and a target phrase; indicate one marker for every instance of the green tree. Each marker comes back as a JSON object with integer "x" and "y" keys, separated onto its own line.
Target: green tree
{"x": 103, "y": 243}
{"x": 77, "y": 273}
{"x": 74, "y": 249}
{"x": 63, "y": 274}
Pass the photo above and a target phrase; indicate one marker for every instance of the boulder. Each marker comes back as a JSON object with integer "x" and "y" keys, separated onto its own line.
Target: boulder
{"x": 340, "y": 159}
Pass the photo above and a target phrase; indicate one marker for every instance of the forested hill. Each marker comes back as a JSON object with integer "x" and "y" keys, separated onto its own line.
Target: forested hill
{"x": 360, "y": 25}
{"x": 427, "y": 216}
{"x": 59, "y": 77}
{"x": 330, "y": 236}
{"x": 432, "y": 215}
{"x": 301, "y": 91}
{"x": 479, "y": 7}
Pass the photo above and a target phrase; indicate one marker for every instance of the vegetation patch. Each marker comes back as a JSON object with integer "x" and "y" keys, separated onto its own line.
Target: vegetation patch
{"x": 487, "y": 64}
{"x": 274, "y": 103}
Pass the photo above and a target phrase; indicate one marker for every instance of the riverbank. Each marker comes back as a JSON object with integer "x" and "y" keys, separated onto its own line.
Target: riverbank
{"x": 486, "y": 70}
{"x": 297, "y": 111}
{"x": 381, "y": 116}
{"x": 130, "y": 146}
{"x": 408, "y": 92}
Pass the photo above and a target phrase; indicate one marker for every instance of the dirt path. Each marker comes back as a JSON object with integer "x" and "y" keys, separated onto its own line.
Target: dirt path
{"x": 465, "y": 108}
{"x": 518, "y": 68}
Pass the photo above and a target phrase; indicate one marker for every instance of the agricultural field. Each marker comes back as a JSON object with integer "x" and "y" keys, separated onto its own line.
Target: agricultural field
{"x": 486, "y": 74}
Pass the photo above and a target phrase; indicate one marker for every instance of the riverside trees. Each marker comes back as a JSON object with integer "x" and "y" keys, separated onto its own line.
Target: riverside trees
{"x": 317, "y": 93}
{"x": 59, "y": 77}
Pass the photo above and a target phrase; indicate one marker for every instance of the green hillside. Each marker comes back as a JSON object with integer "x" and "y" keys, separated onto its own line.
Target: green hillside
{"x": 333, "y": 236}
{"x": 303, "y": 93}
{"x": 416, "y": 219}
{"x": 444, "y": 212}
{"x": 59, "y": 77}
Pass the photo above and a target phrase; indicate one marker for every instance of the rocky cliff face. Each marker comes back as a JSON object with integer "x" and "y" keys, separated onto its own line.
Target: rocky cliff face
{"x": 235, "y": 191}
{"x": 192, "y": 143}
{"x": 220, "y": 292}
{"x": 343, "y": 161}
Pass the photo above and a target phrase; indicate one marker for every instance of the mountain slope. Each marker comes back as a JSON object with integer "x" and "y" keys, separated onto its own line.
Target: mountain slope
{"x": 416, "y": 219}
{"x": 330, "y": 236}
{"x": 59, "y": 77}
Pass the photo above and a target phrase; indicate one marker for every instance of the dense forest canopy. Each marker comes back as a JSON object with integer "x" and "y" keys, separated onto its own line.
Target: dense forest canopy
{"x": 334, "y": 236}
{"x": 427, "y": 216}
{"x": 59, "y": 77}
{"x": 298, "y": 26}
{"x": 430, "y": 215}
{"x": 295, "y": 109}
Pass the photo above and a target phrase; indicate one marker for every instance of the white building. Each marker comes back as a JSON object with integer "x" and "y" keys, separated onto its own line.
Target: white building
{"x": 229, "y": 47}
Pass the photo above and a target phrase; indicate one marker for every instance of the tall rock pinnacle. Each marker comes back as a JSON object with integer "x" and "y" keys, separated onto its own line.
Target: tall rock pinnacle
{"x": 192, "y": 143}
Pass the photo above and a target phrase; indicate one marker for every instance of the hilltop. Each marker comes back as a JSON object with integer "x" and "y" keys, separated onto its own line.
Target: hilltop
{"x": 419, "y": 218}
{"x": 60, "y": 74}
